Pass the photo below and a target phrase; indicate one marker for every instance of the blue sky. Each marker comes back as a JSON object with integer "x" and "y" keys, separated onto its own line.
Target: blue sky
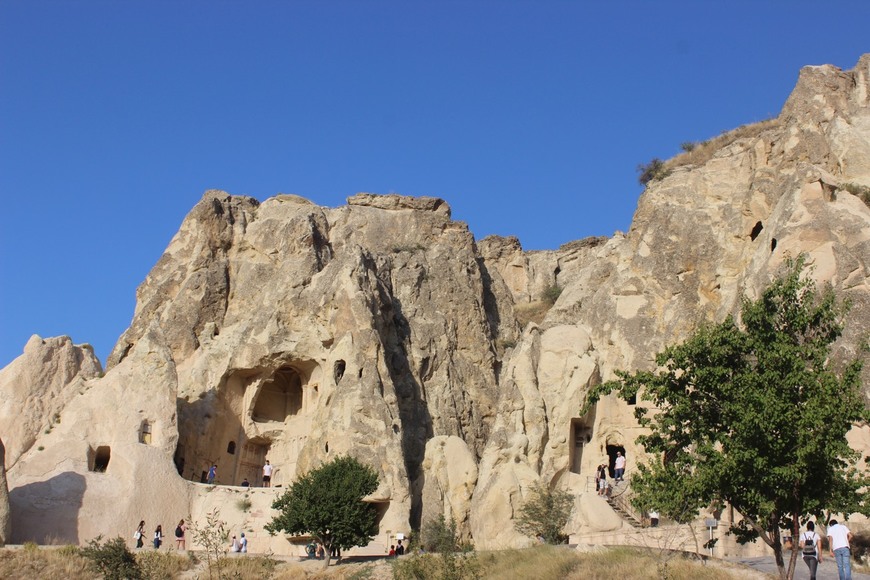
{"x": 529, "y": 118}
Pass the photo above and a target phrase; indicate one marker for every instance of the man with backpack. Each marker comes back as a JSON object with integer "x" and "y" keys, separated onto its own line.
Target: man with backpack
{"x": 811, "y": 548}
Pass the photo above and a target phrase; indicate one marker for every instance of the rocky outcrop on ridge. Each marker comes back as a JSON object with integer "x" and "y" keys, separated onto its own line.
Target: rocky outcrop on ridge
{"x": 294, "y": 332}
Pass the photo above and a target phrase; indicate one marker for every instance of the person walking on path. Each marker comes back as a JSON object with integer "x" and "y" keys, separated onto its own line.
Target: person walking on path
{"x": 839, "y": 537}
{"x": 619, "y": 466}
{"x": 811, "y": 547}
{"x": 267, "y": 474}
{"x": 243, "y": 544}
{"x": 139, "y": 534}
{"x": 158, "y": 537}
{"x": 212, "y": 473}
{"x": 180, "y": 543}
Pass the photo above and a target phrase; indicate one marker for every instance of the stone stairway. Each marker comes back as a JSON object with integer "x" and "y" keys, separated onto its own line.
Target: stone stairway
{"x": 618, "y": 501}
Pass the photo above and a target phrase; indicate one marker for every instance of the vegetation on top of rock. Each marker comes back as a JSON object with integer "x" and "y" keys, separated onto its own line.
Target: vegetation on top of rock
{"x": 699, "y": 152}
{"x": 327, "y": 503}
{"x": 758, "y": 402}
{"x": 862, "y": 192}
{"x": 655, "y": 170}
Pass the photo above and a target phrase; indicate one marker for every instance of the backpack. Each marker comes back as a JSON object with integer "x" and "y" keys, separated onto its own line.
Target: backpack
{"x": 809, "y": 545}
{"x": 179, "y": 533}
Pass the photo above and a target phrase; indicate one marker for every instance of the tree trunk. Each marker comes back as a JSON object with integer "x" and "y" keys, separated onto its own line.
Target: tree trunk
{"x": 327, "y": 553}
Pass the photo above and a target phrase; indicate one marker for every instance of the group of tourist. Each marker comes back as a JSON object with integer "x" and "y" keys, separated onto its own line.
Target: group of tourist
{"x": 180, "y": 529}
{"x": 839, "y": 545}
{"x": 267, "y": 475}
{"x": 601, "y": 484}
{"x": 239, "y": 545}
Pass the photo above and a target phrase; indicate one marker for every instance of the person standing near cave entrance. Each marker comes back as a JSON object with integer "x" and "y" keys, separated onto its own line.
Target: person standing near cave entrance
{"x": 267, "y": 474}
{"x": 212, "y": 473}
{"x": 619, "y": 466}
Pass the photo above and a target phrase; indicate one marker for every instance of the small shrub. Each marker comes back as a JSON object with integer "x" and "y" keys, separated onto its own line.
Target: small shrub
{"x": 408, "y": 248}
{"x": 438, "y": 535}
{"x": 113, "y": 559}
{"x": 244, "y": 504}
{"x": 655, "y": 170}
{"x": 544, "y": 514}
{"x": 552, "y": 293}
{"x": 213, "y": 536}
{"x": 40, "y": 448}
{"x": 862, "y": 192}
{"x": 688, "y": 146}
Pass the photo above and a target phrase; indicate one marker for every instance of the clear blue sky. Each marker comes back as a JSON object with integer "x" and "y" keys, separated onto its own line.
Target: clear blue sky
{"x": 529, "y": 118}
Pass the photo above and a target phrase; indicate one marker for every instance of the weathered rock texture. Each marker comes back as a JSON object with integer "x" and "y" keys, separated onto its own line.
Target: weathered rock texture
{"x": 293, "y": 332}
{"x": 5, "y": 514}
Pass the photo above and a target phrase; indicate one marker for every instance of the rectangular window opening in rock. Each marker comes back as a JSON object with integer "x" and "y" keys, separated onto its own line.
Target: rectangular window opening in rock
{"x": 581, "y": 434}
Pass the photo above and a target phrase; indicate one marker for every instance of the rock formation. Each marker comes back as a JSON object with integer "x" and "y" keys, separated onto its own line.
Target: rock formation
{"x": 5, "y": 515}
{"x": 294, "y": 332}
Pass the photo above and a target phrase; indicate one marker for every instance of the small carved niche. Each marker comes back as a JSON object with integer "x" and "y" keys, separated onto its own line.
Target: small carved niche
{"x": 145, "y": 432}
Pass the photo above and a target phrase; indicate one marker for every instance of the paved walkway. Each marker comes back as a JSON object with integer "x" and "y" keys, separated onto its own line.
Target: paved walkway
{"x": 827, "y": 569}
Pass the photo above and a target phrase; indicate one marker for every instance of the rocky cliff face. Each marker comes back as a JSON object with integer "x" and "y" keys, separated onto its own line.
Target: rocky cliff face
{"x": 293, "y": 332}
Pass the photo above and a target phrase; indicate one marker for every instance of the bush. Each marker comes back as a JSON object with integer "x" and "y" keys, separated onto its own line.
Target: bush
{"x": 213, "y": 536}
{"x": 862, "y": 192}
{"x": 438, "y": 535}
{"x": 244, "y": 504}
{"x": 552, "y": 293}
{"x": 113, "y": 559}
{"x": 655, "y": 170}
{"x": 545, "y": 513}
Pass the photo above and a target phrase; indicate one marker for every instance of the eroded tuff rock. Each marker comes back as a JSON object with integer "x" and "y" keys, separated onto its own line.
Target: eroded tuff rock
{"x": 294, "y": 332}
{"x": 37, "y": 386}
{"x": 5, "y": 513}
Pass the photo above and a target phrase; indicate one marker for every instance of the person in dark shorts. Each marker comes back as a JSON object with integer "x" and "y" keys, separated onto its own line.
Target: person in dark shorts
{"x": 267, "y": 474}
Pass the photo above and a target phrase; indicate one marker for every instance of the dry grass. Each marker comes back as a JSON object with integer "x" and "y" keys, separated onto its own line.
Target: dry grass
{"x": 561, "y": 563}
{"x": 538, "y": 563}
{"x": 158, "y": 565}
{"x": 703, "y": 152}
{"x": 531, "y": 312}
{"x": 32, "y": 562}
{"x": 248, "y": 567}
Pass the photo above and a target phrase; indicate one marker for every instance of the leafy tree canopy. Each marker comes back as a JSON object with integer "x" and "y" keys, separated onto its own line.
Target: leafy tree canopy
{"x": 327, "y": 504}
{"x": 754, "y": 414}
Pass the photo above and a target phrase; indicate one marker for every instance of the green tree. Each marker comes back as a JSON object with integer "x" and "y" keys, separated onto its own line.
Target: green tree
{"x": 756, "y": 415}
{"x": 545, "y": 513}
{"x": 327, "y": 504}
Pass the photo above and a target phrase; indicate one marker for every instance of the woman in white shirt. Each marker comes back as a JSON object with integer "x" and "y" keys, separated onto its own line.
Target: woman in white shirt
{"x": 811, "y": 548}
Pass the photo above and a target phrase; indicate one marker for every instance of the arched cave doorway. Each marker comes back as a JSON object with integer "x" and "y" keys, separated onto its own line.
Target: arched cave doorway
{"x": 279, "y": 398}
{"x": 611, "y": 454}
